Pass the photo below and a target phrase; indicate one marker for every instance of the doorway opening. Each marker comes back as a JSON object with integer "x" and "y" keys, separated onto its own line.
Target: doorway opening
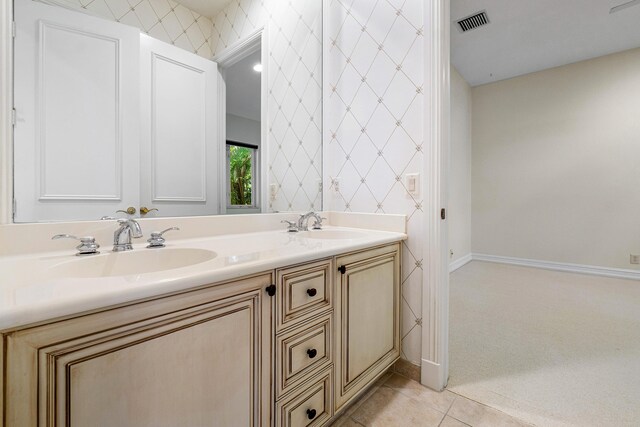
{"x": 242, "y": 135}
{"x": 543, "y": 202}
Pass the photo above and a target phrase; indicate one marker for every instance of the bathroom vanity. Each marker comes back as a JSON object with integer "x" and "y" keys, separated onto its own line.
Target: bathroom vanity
{"x": 271, "y": 329}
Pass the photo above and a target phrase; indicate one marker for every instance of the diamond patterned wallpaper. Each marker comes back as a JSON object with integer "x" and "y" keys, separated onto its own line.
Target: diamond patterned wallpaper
{"x": 374, "y": 118}
{"x": 165, "y": 20}
{"x": 236, "y": 21}
{"x": 295, "y": 92}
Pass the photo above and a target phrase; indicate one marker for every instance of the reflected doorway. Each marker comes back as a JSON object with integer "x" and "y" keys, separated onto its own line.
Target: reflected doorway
{"x": 242, "y": 139}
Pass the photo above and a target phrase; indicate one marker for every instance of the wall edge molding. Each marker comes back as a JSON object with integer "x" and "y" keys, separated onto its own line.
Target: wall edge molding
{"x": 431, "y": 374}
{"x": 6, "y": 113}
{"x": 460, "y": 262}
{"x": 240, "y": 49}
{"x": 592, "y": 270}
{"x": 435, "y": 281}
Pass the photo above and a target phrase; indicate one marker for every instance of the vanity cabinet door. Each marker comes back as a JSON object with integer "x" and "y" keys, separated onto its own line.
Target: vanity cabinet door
{"x": 367, "y": 315}
{"x": 207, "y": 364}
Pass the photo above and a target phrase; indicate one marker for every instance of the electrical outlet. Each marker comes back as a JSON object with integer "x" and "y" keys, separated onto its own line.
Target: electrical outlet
{"x": 335, "y": 184}
{"x": 634, "y": 259}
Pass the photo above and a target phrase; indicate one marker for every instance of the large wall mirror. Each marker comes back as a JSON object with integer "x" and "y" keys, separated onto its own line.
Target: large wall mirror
{"x": 154, "y": 108}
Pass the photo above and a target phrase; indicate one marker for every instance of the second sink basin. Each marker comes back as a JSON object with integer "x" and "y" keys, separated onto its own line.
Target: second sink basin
{"x": 131, "y": 262}
{"x": 332, "y": 234}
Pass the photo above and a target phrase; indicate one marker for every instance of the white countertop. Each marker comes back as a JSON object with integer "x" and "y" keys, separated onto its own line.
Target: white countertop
{"x": 28, "y": 293}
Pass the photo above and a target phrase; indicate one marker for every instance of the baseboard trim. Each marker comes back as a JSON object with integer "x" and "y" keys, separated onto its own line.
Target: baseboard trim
{"x": 453, "y": 266}
{"x": 407, "y": 369}
{"x": 593, "y": 270}
{"x": 432, "y": 375}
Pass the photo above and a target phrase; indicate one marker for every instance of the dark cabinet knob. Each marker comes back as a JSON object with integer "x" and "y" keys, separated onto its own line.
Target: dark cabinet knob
{"x": 271, "y": 290}
{"x": 311, "y": 413}
{"x": 342, "y": 269}
{"x": 312, "y": 353}
{"x": 312, "y": 292}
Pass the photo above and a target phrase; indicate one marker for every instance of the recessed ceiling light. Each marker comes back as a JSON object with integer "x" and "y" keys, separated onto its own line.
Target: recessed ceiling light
{"x": 257, "y": 68}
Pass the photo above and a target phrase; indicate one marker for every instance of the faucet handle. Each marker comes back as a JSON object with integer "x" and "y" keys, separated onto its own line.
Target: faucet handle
{"x": 156, "y": 240}
{"x": 292, "y": 226}
{"x": 317, "y": 224}
{"x": 87, "y": 246}
{"x": 113, "y": 218}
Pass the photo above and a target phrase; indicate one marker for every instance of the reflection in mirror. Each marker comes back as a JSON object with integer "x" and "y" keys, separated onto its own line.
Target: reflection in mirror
{"x": 243, "y": 131}
{"x": 138, "y": 111}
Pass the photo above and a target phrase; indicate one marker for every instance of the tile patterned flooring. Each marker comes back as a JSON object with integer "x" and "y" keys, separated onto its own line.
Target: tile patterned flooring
{"x": 396, "y": 401}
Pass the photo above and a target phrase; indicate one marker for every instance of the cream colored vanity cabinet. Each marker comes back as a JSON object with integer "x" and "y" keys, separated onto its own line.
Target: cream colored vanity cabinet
{"x": 367, "y": 315}
{"x": 200, "y": 358}
{"x": 2, "y": 378}
{"x": 338, "y": 330}
{"x": 288, "y": 348}
{"x": 304, "y": 345}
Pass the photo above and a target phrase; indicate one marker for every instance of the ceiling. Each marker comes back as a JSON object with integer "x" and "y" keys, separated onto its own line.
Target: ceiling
{"x": 524, "y": 36}
{"x": 243, "y": 88}
{"x": 208, "y": 8}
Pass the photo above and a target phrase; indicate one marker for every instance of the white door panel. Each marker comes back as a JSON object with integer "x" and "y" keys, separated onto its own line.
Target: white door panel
{"x": 76, "y": 137}
{"x": 179, "y": 149}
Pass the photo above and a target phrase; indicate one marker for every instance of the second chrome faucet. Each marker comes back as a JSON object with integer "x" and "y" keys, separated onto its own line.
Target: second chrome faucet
{"x": 127, "y": 228}
{"x": 303, "y": 222}
{"x": 122, "y": 236}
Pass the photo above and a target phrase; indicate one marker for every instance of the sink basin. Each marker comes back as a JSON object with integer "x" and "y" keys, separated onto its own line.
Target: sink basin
{"x": 332, "y": 234}
{"x": 131, "y": 262}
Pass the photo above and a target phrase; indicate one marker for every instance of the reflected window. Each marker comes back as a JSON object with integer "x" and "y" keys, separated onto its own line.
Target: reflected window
{"x": 241, "y": 174}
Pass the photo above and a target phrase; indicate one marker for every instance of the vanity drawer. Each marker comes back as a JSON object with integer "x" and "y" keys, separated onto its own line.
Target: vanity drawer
{"x": 305, "y": 292}
{"x": 308, "y": 407}
{"x": 302, "y": 352}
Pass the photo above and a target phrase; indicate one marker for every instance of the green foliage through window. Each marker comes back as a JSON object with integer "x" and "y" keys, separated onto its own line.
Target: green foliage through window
{"x": 240, "y": 162}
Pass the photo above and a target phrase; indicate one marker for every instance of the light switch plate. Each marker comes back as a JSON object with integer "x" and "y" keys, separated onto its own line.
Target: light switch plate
{"x": 412, "y": 183}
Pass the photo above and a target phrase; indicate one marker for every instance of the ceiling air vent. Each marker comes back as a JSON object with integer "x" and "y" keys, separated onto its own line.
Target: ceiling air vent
{"x": 472, "y": 22}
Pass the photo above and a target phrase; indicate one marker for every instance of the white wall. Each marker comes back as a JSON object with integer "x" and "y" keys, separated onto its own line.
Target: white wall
{"x": 241, "y": 129}
{"x": 460, "y": 168}
{"x": 556, "y": 164}
{"x": 374, "y": 119}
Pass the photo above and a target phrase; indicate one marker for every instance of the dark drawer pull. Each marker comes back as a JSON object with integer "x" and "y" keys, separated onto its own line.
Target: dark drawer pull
{"x": 312, "y": 353}
{"x": 312, "y": 292}
{"x": 311, "y": 413}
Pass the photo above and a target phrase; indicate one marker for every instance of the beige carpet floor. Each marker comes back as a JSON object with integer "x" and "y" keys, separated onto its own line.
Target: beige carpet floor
{"x": 550, "y": 348}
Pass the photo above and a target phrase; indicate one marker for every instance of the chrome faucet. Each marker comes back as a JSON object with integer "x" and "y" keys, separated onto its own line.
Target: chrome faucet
{"x": 303, "y": 221}
{"x": 122, "y": 237}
